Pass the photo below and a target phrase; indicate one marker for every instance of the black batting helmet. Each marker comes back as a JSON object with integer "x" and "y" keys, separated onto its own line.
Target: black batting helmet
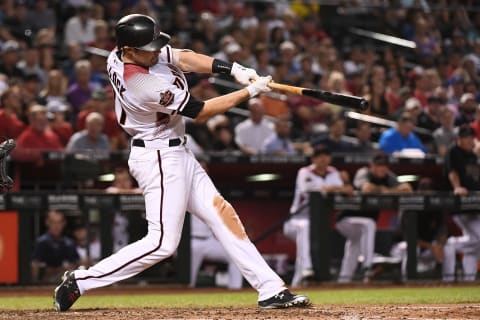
{"x": 141, "y": 32}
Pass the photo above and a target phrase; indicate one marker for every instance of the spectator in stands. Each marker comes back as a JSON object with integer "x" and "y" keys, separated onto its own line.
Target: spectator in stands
{"x": 475, "y": 124}
{"x": 222, "y": 134}
{"x": 288, "y": 52}
{"x": 81, "y": 89}
{"x": 363, "y": 133}
{"x": 30, "y": 87}
{"x": 42, "y": 16}
{"x": 10, "y": 56}
{"x": 378, "y": 104}
{"x": 102, "y": 36}
{"x": 204, "y": 246}
{"x": 445, "y": 136}
{"x": 401, "y": 137}
{"x": 75, "y": 53}
{"x": 466, "y": 109}
{"x": 102, "y": 103}
{"x": 55, "y": 89}
{"x": 455, "y": 90}
{"x": 30, "y": 64}
{"x": 56, "y": 112}
{"x": 10, "y": 106}
{"x": 53, "y": 252}
{"x": 45, "y": 43}
{"x": 18, "y": 25}
{"x": 429, "y": 118}
{"x": 359, "y": 227}
{"x": 393, "y": 92}
{"x": 81, "y": 27}
{"x": 37, "y": 138}
{"x": 431, "y": 235}
{"x": 461, "y": 166}
{"x": 334, "y": 139}
{"x": 280, "y": 142}
{"x": 318, "y": 176}
{"x": 87, "y": 245}
{"x": 251, "y": 133}
{"x": 419, "y": 85}
{"x": 92, "y": 138}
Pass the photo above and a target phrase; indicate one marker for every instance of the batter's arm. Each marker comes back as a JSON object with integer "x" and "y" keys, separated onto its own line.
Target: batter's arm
{"x": 190, "y": 61}
{"x": 220, "y": 104}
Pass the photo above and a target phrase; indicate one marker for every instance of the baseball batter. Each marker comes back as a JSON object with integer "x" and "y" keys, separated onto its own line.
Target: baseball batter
{"x": 152, "y": 99}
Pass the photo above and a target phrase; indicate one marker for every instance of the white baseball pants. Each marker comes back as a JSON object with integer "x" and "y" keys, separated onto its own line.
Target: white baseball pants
{"x": 298, "y": 230}
{"x": 173, "y": 182}
{"x": 360, "y": 234}
{"x": 468, "y": 244}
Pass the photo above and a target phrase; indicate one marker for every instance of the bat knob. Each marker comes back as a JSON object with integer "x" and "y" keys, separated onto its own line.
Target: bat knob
{"x": 363, "y": 105}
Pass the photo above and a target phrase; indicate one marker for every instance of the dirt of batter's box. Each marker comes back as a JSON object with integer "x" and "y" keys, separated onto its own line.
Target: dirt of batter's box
{"x": 321, "y": 312}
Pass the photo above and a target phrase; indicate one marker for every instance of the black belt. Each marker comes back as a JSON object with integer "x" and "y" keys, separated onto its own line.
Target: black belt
{"x": 171, "y": 143}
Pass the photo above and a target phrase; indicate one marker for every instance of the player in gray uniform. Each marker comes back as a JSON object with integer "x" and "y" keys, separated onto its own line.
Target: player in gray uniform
{"x": 151, "y": 101}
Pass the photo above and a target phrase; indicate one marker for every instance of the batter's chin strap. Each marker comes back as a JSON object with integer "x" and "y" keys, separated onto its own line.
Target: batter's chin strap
{"x": 6, "y": 183}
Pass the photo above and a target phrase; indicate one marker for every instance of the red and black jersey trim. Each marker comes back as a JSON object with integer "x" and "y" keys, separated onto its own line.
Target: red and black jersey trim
{"x": 161, "y": 230}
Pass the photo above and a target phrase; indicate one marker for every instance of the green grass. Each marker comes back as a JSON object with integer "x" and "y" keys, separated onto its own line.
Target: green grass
{"x": 424, "y": 295}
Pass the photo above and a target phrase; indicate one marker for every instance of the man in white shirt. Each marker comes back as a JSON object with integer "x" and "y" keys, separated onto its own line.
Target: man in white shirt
{"x": 81, "y": 27}
{"x": 251, "y": 133}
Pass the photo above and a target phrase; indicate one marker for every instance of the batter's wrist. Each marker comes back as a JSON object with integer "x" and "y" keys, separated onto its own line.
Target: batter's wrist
{"x": 220, "y": 66}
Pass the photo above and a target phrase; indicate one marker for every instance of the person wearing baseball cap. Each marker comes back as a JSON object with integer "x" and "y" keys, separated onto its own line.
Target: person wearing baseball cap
{"x": 318, "y": 176}
{"x": 359, "y": 227}
{"x": 463, "y": 173}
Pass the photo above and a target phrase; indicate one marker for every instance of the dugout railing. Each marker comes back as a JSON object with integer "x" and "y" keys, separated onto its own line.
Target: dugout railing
{"x": 24, "y": 210}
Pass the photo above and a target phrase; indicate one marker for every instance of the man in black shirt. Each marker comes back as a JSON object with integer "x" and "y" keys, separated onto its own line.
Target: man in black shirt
{"x": 359, "y": 227}
{"x": 53, "y": 253}
{"x": 463, "y": 173}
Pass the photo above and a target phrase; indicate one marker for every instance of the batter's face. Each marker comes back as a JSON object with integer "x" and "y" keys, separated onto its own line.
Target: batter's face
{"x": 143, "y": 58}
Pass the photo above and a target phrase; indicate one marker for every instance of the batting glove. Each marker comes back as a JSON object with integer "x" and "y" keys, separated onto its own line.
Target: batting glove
{"x": 260, "y": 85}
{"x": 242, "y": 74}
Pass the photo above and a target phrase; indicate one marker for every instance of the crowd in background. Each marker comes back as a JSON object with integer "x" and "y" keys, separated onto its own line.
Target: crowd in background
{"x": 53, "y": 72}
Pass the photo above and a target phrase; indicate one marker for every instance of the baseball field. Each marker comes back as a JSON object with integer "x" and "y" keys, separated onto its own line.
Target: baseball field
{"x": 329, "y": 302}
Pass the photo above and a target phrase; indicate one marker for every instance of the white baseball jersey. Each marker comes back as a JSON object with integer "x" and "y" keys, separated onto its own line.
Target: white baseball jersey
{"x": 148, "y": 100}
{"x": 149, "y": 104}
{"x": 308, "y": 180}
{"x": 298, "y": 227}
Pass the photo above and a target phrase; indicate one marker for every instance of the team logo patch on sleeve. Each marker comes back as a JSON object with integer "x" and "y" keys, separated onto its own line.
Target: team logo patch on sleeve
{"x": 166, "y": 98}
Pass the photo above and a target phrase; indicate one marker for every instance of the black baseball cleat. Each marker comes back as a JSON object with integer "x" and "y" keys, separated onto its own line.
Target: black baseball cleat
{"x": 284, "y": 299}
{"x": 66, "y": 293}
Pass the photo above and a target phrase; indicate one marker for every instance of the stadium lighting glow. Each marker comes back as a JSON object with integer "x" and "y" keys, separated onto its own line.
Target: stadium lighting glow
{"x": 407, "y": 178}
{"x": 262, "y": 177}
{"x": 108, "y": 177}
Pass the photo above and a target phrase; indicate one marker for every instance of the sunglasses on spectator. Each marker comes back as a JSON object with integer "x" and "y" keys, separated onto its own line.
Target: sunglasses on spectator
{"x": 406, "y": 119}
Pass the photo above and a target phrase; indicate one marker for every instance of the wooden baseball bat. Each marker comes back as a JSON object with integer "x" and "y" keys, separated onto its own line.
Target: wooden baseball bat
{"x": 343, "y": 100}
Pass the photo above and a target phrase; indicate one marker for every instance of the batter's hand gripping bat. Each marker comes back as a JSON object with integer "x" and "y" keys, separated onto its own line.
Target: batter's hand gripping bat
{"x": 343, "y": 100}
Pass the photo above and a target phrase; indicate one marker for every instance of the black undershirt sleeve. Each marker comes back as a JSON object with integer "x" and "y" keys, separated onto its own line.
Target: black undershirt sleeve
{"x": 192, "y": 108}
